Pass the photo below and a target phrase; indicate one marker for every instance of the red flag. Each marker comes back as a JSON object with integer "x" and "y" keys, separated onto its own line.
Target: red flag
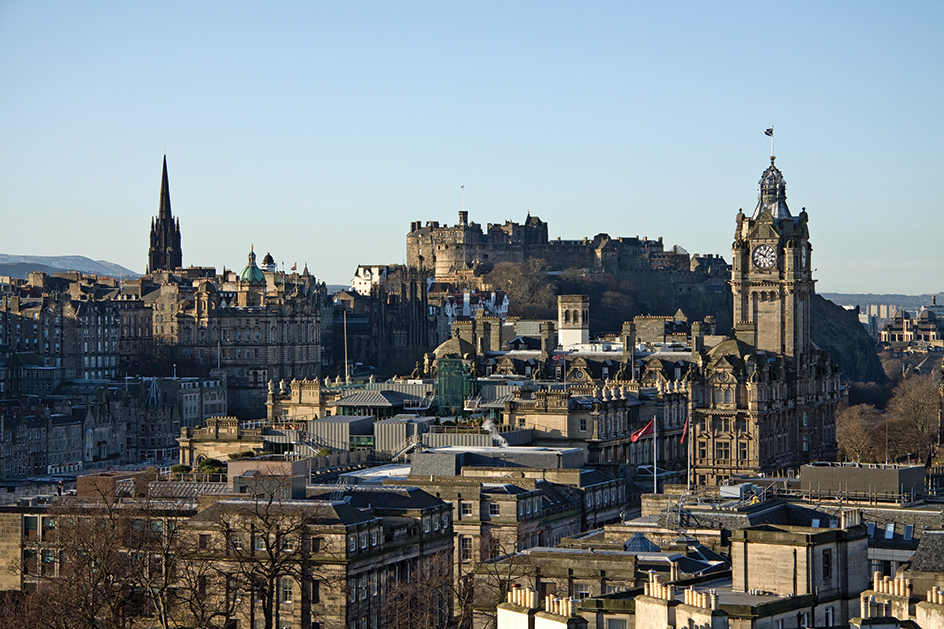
{"x": 648, "y": 429}
{"x": 295, "y": 266}
{"x": 685, "y": 430}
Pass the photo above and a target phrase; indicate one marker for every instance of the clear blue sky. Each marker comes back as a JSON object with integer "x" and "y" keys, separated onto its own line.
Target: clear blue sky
{"x": 318, "y": 131}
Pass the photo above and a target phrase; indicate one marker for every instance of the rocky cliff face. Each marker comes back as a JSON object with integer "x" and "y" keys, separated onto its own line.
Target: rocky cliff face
{"x": 838, "y": 330}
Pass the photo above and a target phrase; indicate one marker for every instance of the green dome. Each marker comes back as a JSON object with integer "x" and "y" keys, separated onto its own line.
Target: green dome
{"x": 252, "y": 273}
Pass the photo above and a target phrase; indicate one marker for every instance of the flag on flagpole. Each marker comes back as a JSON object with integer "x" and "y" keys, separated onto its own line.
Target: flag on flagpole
{"x": 648, "y": 429}
{"x": 769, "y": 132}
{"x": 295, "y": 266}
{"x": 685, "y": 430}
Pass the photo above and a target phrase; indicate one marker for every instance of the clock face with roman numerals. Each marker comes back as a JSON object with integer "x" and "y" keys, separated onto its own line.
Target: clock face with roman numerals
{"x": 764, "y": 256}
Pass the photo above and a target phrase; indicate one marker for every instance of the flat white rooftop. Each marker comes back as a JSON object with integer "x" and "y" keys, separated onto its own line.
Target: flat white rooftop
{"x": 376, "y": 475}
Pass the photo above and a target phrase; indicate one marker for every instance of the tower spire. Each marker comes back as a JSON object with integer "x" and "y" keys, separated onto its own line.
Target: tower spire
{"x": 164, "y": 211}
{"x": 164, "y": 253}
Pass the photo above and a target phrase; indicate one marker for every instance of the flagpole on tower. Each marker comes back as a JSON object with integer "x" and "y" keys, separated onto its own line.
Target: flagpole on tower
{"x": 463, "y": 197}
{"x": 770, "y": 132}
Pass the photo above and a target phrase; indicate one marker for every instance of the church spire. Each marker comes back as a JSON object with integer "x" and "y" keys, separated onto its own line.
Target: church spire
{"x": 164, "y": 211}
{"x": 164, "y": 253}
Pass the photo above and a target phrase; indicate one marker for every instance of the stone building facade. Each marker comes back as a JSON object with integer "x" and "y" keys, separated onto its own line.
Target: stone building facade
{"x": 338, "y": 561}
{"x": 464, "y": 250}
{"x": 256, "y": 326}
{"x": 389, "y": 328}
{"x": 767, "y": 399}
{"x": 78, "y": 335}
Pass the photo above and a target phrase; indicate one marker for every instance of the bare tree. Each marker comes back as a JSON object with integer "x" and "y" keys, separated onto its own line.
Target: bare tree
{"x": 86, "y": 576}
{"x": 856, "y": 432}
{"x": 425, "y": 598}
{"x": 530, "y": 290}
{"x": 492, "y": 579}
{"x": 916, "y": 404}
{"x": 270, "y": 545}
{"x": 207, "y": 595}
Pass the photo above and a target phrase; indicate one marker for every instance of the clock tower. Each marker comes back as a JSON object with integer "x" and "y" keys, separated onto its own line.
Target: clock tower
{"x": 770, "y": 278}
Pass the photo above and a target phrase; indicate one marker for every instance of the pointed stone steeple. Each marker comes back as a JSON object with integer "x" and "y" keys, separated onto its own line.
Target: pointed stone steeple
{"x": 164, "y": 253}
{"x": 164, "y": 210}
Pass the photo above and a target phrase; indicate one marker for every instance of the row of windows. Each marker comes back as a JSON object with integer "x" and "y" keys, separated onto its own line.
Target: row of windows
{"x": 374, "y": 538}
{"x": 723, "y": 450}
{"x": 604, "y": 497}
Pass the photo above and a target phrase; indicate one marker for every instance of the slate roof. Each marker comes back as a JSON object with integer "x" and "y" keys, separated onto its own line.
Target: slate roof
{"x": 377, "y": 399}
{"x": 363, "y": 497}
{"x": 317, "y": 511}
{"x": 929, "y": 557}
{"x": 590, "y": 477}
{"x": 342, "y": 419}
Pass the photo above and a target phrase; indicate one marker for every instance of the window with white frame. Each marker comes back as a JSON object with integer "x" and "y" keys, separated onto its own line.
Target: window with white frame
{"x": 286, "y": 590}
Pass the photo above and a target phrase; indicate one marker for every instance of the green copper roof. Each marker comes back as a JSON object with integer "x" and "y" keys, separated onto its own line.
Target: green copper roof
{"x": 252, "y": 273}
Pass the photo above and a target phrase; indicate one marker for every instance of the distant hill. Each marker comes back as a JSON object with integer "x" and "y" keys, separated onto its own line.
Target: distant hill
{"x": 908, "y": 302}
{"x": 22, "y": 266}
